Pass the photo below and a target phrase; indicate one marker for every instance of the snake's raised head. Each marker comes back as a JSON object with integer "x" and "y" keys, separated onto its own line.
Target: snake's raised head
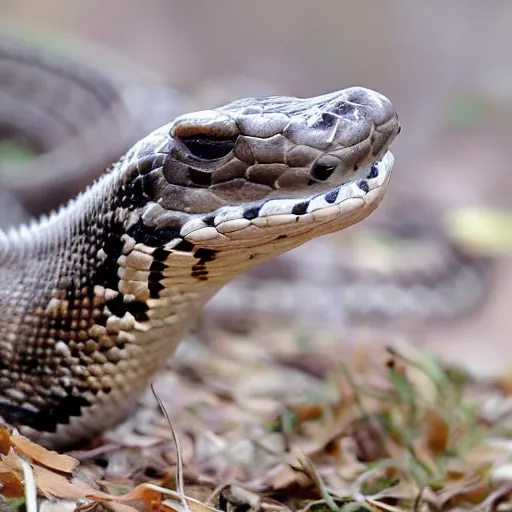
{"x": 258, "y": 168}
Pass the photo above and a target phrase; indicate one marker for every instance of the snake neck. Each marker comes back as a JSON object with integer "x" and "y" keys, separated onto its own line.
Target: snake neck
{"x": 89, "y": 313}
{"x": 94, "y": 302}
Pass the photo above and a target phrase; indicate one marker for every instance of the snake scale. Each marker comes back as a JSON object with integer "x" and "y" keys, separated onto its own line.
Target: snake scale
{"x": 96, "y": 296}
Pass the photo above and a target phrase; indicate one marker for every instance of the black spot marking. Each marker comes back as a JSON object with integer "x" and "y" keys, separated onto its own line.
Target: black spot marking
{"x": 201, "y": 178}
{"x": 344, "y": 109}
{"x": 300, "y": 208}
{"x": 200, "y": 270}
{"x": 84, "y": 389}
{"x": 281, "y": 237}
{"x": 207, "y": 147}
{"x": 151, "y": 236}
{"x": 363, "y": 185}
{"x": 205, "y": 255}
{"x": 154, "y": 277}
{"x": 374, "y": 172}
{"x": 16, "y": 414}
{"x": 331, "y": 196}
{"x": 117, "y": 306}
{"x": 133, "y": 194}
{"x": 160, "y": 254}
{"x": 137, "y": 308}
{"x": 47, "y": 419}
{"x": 27, "y": 364}
{"x": 184, "y": 246}
{"x": 310, "y": 182}
{"x": 209, "y": 220}
{"x": 155, "y": 289}
{"x": 157, "y": 266}
{"x": 252, "y": 212}
{"x": 106, "y": 272}
{"x": 101, "y": 320}
{"x": 113, "y": 245}
{"x": 321, "y": 171}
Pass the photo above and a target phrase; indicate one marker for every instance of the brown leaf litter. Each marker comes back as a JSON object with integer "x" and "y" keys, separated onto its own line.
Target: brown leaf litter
{"x": 258, "y": 429}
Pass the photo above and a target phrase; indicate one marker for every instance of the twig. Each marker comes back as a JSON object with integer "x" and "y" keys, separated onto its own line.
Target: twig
{"x": 180, "y": 484}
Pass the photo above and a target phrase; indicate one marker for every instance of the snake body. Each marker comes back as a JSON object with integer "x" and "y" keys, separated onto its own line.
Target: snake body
{"x": 96, "y": 296}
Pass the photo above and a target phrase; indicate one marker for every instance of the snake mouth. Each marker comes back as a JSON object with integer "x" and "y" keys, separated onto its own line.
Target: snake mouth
{"x": 338, "y": 207}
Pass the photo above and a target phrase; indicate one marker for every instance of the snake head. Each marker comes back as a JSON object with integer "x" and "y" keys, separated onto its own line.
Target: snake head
{"x": 259, "y": 168}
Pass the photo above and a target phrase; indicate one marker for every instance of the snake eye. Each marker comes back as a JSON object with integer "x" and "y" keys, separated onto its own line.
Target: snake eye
{"x": 207, "y": 147}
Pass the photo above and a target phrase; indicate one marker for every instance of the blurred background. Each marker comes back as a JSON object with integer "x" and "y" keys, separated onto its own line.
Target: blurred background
{"x": 447, "y": 69}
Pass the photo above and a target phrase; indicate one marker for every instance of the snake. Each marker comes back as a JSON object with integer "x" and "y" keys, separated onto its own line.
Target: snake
{"x": 96, "y": 295}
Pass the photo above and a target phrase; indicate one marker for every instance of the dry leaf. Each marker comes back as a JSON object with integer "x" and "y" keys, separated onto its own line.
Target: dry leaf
{"x": 11, "y": 463}
{"x": 53, "y": 485}
{"x": 120, "y": 507}
{"x": 434, "y": 440}
{"x": 436, "y": 432}
{"x": 5, "y": 440}
{"x": 11, "y": 486}
{"x": 48, "y": 458}
{"x": 468, "y": 491}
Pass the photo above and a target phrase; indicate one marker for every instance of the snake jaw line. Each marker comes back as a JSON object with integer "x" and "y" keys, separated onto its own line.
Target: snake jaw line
{"x": 230, "y": 222}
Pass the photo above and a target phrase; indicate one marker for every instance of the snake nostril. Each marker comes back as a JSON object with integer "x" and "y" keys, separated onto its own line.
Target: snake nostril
{"x": 326, "y": 120}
